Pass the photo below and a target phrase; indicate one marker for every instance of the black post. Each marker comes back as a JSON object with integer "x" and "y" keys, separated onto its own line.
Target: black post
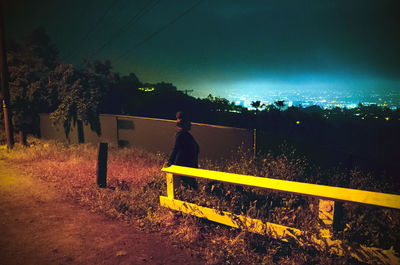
{"x": 338, "y": 214}
{"x": 102, "y": 165}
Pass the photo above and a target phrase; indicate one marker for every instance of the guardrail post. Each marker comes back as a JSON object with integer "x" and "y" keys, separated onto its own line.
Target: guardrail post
{"x": 330, "y": 212}
{"x": 102, "y": 165}
{"x": 171, "y": 185}
{"x": 326, "y": 211}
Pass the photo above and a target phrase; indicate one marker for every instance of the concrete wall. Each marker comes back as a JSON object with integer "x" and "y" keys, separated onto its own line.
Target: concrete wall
{"x": 154, "y": 135}
{"x": 48, "y": 130}
{"x": 109, "y": 133}
{"x": 218, "y": 142}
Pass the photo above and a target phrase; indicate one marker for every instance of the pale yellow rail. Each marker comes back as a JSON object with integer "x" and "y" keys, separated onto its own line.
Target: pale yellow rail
{"x": 238, "y": 221}
{"x": 362, "y": 253}
{"x": 321, "y": 191}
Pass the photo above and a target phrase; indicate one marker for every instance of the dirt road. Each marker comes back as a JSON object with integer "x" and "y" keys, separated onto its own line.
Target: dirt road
{"x": 37, "y": 226}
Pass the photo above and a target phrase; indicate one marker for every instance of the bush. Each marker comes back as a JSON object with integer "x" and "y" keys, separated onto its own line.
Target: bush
{"x": 135, "y": 183}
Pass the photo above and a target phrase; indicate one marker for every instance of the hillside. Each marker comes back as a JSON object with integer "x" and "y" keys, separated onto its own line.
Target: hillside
{"x": 135, "y": 184}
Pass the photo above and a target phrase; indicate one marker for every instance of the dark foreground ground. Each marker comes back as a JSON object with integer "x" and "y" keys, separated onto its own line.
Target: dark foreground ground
{"x": 38, "y": 226}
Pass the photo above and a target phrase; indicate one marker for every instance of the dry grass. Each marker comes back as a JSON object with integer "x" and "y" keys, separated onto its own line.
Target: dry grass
{"x": 135, "y": 184}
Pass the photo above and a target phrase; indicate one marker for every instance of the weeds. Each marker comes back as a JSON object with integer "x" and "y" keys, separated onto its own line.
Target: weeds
{"x": 135, "y": 183}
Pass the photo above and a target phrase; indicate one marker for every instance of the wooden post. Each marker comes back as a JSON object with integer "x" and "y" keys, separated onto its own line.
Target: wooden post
{"x": 171, "y": 185}
{"x": 330, "y": 212}
{"x": 326, "y": 210}
{"x": 8, "y": 125}
{"x": 22, "y": 137}
{"x": 102, "y": 165}
{"x": 338, "y": 223}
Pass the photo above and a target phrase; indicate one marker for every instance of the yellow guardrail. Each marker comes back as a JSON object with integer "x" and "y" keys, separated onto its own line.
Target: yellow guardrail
{"x": 315, "y": 190}
{"x": 327, "y": 195}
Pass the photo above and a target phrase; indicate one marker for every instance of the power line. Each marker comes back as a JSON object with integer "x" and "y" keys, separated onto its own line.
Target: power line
{"x": 95, "y": 25}
{"x": 159, "y": 30}
{"x": 99, "y": 20}
{"x": 146, "y": 8}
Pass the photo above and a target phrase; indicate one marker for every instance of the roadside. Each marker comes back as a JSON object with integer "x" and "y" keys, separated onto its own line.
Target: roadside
{"x": 38, "y": 226}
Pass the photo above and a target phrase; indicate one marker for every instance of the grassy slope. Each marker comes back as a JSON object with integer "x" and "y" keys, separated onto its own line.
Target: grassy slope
{"x": 136, "y": 184}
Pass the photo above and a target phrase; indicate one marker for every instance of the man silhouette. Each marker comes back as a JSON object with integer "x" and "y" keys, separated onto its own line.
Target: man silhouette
{"x": 186, "y": 150}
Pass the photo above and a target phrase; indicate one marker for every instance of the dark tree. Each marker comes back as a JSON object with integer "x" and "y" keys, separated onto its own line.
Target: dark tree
{"x": 29, "y": 62}
{"x": 80, "y": 93}
{"x": 280, "y": 104}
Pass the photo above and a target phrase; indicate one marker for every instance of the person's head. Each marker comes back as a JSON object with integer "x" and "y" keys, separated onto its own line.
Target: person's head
{"x": 183, "y": 121}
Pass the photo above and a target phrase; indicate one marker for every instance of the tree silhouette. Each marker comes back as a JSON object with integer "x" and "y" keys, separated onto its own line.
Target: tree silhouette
{"x": 257, "y": 105}
{"x": 80, "y": 93}
{"x": 280, "y": 104}
{"x": 29, "y": 62}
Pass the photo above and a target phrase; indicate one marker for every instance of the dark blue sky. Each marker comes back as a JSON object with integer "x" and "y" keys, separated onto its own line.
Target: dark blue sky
{"x": 228, "y": 45}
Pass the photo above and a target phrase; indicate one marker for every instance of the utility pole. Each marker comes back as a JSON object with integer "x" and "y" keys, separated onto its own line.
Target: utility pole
{"x": 4, "y": 83}
{"x": 186, "y": 91}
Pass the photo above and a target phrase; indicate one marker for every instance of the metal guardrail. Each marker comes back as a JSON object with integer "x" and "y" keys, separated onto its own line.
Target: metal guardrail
{"x": 328, "y": 197}
{"x": 315, "y": 190}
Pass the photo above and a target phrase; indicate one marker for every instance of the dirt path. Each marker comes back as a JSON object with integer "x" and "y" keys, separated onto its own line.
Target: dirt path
{"x": 38, "y": 227}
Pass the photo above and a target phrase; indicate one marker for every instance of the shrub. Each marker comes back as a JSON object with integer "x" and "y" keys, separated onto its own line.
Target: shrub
{"x": 135, "y": 183}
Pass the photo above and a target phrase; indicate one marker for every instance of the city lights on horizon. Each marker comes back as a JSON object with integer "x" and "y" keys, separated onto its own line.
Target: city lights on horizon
{"x": 343, "y": 94}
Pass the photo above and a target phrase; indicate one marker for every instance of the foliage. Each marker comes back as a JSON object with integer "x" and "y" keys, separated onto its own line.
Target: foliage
{"x": 40, "y": 83}
{"x": 120, "y": 98}
{"x": 80, "y": 93}
{"x": 29, "y": 62}
{"x": 355, "y": 139}
{"x": 280, "y": 104}
{"x": 135, "y": 184}
{"x": 366, "y": 136}
{"x": 66, "y": 81}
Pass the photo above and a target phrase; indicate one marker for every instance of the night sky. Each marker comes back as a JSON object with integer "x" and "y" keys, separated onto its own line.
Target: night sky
{"x": 219, "y": 46}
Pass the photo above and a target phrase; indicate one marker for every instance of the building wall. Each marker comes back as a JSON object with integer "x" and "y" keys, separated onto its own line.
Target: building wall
{"x": 109, "y": 132}
{"x": 154, "y": 135}
{"x": 48, "y": 130}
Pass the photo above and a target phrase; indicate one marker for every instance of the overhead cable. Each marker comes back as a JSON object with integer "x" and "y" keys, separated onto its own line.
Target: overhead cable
{"x": 152, "y": 35}
{"x": 146, "y": 8}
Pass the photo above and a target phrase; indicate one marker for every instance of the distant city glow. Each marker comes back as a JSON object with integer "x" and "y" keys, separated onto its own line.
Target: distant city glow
{"x": 326, "y": 53}
{"x": 306, "y": 91}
